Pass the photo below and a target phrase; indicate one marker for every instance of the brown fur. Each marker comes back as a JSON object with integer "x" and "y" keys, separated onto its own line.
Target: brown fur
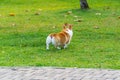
{"x": 61, "y": 38}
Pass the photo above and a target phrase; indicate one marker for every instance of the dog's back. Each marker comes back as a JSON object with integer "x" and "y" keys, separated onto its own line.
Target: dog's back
{"x": 60, "y": 38}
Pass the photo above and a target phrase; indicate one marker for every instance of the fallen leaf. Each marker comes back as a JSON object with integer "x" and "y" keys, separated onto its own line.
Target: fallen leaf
{"x": 118, "y": 17}
{"x": 13, "y": 24}
{"x": 54, "y": 26}
{"x": 69, "y": 12}
{"x": 96, "y": 27}
{"x": 27, "y": 10}
{"x": 11, "y": 14}
{"x": 76, "y": 16}
{"x": 78, "y": 20}
{"x": 97, "y": 13}
{"x": 37, "y": 13}
{"x": 108, "y": 7}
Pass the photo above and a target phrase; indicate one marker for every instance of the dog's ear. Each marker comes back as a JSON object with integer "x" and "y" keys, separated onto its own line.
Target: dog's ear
{"x": 64, "y": 26}
{"x": 70, "y": 26}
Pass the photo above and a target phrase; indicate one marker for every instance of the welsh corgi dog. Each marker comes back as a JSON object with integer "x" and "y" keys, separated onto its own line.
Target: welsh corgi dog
{"x": 61, "y": 39}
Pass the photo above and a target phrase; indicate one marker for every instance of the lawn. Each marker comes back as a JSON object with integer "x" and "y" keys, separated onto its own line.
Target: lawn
{"x": 25, "y": 24}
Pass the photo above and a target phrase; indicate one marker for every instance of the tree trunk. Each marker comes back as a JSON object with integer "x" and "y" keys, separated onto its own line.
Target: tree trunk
{"x": 84, "y": 4}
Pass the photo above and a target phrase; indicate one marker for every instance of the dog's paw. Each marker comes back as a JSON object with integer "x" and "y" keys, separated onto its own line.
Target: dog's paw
{"x": 47, "y": 48}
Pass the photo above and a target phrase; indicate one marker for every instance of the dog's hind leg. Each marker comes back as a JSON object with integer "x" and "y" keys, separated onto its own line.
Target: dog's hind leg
{"x": 65, "y": 46}
{"x": 57, "y": 46}
{"x": 48, "y": 41}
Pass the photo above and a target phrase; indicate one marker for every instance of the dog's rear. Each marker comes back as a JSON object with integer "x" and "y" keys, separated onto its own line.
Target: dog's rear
{"x": 50, "y": 39}
{"x": 61, "y": 39}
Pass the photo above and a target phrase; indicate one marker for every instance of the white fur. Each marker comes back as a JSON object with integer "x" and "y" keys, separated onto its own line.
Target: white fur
{"x": 70, "y": 32}
{"x": 52, "y": 40}
{"x": 48, "y": 41}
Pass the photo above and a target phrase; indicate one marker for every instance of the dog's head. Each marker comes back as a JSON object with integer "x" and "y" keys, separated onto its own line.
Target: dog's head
{"x": 68, "y": 28}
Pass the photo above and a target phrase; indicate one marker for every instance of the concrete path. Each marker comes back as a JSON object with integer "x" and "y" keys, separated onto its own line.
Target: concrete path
{"x": 51, "y": 73}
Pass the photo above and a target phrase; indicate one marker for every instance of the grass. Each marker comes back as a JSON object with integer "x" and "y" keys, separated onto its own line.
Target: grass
{"x": 95, "y": 43}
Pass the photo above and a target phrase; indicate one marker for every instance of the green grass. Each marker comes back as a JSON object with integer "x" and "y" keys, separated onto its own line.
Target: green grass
{"x": 22, "y": 37}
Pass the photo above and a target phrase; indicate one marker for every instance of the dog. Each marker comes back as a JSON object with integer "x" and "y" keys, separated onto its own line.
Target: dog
{"x": 61, "y": 39}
